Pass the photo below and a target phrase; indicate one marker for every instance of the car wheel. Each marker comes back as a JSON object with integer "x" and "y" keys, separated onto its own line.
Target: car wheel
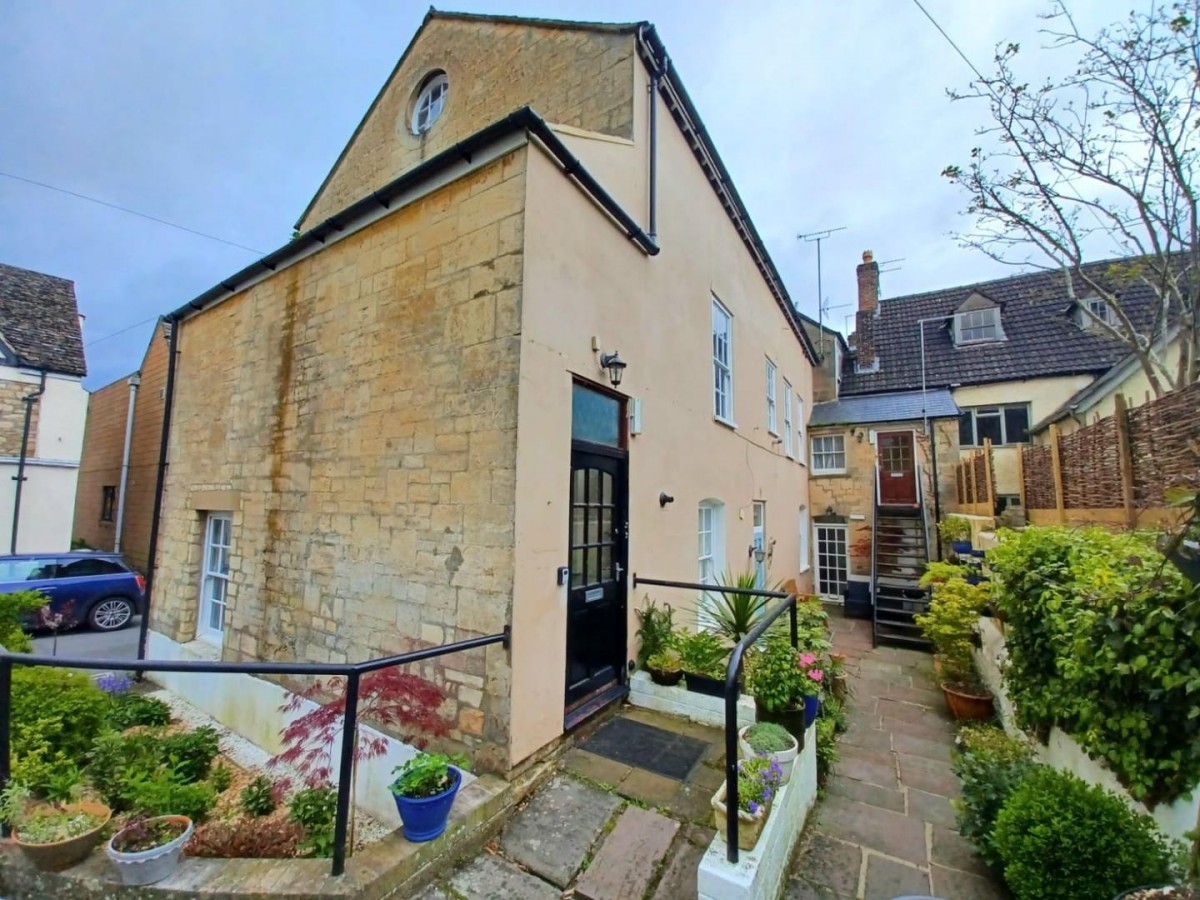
{"x": 110, "y": 614}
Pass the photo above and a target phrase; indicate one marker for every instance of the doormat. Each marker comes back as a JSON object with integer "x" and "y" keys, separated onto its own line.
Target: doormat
{"x": 647, "y": 747}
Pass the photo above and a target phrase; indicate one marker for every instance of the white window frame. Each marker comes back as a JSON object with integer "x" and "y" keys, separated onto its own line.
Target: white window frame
{"x": 820, "y": 456}
{"x": 982, "y": 324}
{"x": 805, "y": 529}
{"x": 772, "y": 406}
{"x": 801, "y": 445}
{"x": 787, "y": 420}
{"x": 430, "y": 103}
{"x": 214, "y": 580}
{"x": 722, "y": 350}
{"x": 711, "y": 550}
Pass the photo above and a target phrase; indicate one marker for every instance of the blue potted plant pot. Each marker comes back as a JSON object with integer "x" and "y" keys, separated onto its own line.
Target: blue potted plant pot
{"x": 812, "y": 706}
{"x": 961, "y": 548}
{"x": 425, "y": 818}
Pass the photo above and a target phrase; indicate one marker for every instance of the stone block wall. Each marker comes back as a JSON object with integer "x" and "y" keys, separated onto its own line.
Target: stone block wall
{"x": 569, "y": 76}
{"x": 358, "y": 412}
{"x": 100, "y": 465}
{"x": 12, "y": 418}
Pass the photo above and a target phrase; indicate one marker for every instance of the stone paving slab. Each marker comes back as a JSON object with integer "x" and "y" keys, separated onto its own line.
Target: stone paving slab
{"x": 492, "y": 878}
{"x": 886, "y": 879}
{"x": 678, "y": 880}
{"x": 629, "y": 858}
{"x": 555, "y": 832}
{"x": 886, "y": 825}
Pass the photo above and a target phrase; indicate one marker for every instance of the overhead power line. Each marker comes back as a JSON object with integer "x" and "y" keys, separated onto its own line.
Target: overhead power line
{"x": 132, "y": 212}
{"x": 122, "y": 331}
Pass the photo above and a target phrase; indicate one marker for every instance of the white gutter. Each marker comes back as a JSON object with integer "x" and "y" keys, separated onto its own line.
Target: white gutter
{"x": 134, "y": 380}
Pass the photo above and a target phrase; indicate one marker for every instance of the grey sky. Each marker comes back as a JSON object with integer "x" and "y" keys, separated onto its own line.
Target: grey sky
{"x": 224, "y": 116}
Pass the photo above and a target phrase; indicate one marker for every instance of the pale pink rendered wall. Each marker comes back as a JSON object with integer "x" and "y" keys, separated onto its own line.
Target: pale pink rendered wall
{"x": 584, "y": 278}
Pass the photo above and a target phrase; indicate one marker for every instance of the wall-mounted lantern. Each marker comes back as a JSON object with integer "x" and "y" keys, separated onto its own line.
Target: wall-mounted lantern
{"x": 614, "y": 365}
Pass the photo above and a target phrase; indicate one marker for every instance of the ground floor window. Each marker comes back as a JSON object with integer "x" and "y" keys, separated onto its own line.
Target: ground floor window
{"x": 711, "y": 533}
{"x": 832, "y": 560}
{"x": 214, "y": 579}
{"x": 108, "y": 499}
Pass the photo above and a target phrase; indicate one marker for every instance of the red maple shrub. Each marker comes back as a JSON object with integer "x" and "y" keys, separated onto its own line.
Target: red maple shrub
{"x": 247, "y": 839}
{"x": 404, "y": 704}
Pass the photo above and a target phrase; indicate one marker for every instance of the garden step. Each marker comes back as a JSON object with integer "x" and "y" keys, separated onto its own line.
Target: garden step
{"x": 629, "y": 857}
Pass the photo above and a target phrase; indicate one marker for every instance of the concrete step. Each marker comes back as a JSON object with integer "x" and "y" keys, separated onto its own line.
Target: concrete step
{"x": 629, "y": 857}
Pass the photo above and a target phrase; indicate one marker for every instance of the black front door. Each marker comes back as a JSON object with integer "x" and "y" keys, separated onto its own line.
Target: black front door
{"x": 596, "y": 603}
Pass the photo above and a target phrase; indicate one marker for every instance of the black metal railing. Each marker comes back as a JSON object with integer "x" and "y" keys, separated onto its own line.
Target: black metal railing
{"x": 353, "y": 673}
{"x": 731, "y": 684}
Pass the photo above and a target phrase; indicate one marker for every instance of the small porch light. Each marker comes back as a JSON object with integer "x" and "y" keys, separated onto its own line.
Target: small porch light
{"x": 614, "y": 365}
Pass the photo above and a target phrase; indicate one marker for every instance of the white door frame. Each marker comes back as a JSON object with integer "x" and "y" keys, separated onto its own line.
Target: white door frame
{"x": 815, "y": 551}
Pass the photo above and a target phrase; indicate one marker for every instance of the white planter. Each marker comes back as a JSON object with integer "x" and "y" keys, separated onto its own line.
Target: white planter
{"x": 155, "y": 864}
{"x": 785, "y": 758}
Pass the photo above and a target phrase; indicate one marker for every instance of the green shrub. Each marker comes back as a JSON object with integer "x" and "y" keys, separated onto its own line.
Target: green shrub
{"x": 768, "y": 737}
{"x": 655, "y": 626}
{"x": 1062, "y": 839}
{"x": 258, "y": 797}
{"x": 57, "y": 710}
{"x": 990, "y": 765}
{"x": 14, "y": 607}
{"x": 191, "y": 753}
{"x": 162, "y": 793}
{"x": 131, "y": 709}
{"x": 117, "y": 757}
{"x": 1102, "y": 641}
{"x": 702, "y": 653}
{"x": 313, "y": 809}
{"x": 221, "y": 778}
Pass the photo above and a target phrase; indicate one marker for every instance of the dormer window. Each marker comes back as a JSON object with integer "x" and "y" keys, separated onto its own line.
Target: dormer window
{"x": 1093, "y": 313}
{"x": 977, "y": 326}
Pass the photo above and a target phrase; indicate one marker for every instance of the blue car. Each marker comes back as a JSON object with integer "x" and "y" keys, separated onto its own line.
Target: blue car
{"x": 100, "y": 589}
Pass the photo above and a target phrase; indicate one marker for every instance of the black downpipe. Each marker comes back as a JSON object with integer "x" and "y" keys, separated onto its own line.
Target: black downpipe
{"x": 152, "y": 552}
{"x": 30, "y": 399}
{"x": 937, "y": 494}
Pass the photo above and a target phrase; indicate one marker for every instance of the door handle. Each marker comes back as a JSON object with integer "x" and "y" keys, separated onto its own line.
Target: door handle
{"x": 619, "y": 569}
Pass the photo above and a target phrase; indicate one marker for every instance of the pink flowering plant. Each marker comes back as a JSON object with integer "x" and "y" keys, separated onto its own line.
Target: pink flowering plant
{"x": 814, "y": 674}
{"x": 759, "y": 778}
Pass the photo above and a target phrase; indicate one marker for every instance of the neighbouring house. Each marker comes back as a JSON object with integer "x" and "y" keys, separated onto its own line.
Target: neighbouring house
{"x": 1013, "y": 352}
{"x": 42, "y": 409}
{"x": 115, "y": 499}
{"x": 525, "y": 344}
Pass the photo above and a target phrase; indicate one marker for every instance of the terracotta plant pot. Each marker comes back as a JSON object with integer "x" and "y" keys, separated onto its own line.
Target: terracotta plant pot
{"x": 750, "y": 826}
{"x": 969, "y": 704}
{"x": 666, "y": 679}
{"x": 785, "y": 758}
{"x": 64, "y": 854}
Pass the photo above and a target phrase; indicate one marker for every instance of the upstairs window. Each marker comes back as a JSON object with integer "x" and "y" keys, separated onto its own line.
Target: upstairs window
{"x": 787, "y": 419}
{"x": 800, "y": 429}
{"x": 430, "y": 101}
{"x": 722, "y": 341}
{"x": 977, "y": 326}
{"x": 829, "y": 454}
{"x": 772, "y": 411}
{"x": 1094, "y": 313}
{"x": 1007, "y": 424}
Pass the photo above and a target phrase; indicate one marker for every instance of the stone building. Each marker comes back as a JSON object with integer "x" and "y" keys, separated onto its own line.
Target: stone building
{"x": 114, "y": 503}
{"x": 526, "y": 343}
{"x": 42, "y": 409}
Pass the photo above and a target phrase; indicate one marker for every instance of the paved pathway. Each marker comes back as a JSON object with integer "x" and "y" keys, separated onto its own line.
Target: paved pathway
{"x": 885, "y": 827}
{"x": 601, "y": 830}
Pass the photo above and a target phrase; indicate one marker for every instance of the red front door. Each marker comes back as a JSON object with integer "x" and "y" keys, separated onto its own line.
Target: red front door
{"x": 897, "y": 468}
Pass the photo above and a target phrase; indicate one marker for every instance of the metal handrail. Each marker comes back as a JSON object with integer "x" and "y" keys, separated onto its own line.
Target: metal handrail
{"x": 353, "y": 673}
{"x": 874, "y": 570}
{"x": 731, "y": 688}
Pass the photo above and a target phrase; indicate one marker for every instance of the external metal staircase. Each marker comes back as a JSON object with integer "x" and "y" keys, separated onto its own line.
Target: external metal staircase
{"x": 899, "y": 554}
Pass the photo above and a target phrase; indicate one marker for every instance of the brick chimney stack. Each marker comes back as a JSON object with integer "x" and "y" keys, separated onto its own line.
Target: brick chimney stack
{"x": 868, "y": 284}
{"x": 868, "y": 309}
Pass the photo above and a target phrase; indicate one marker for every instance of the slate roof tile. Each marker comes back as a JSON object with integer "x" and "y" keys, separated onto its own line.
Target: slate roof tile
{"x": 40, "y": 320}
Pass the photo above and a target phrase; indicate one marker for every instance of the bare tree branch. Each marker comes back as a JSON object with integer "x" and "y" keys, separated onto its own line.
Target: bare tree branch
{"x": 1102, "y": 163}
